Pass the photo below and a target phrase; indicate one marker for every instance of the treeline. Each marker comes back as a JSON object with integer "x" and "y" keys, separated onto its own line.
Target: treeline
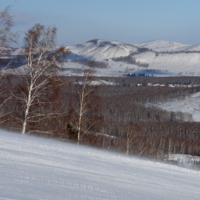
{"x": 129, "y": 81}
{"x": 138, "y": 75}
{"x": 87, "y": 62}
{"x": 131, "y": 60}
{"x": 145, "y": 95}
{"x": 145, "y": 144}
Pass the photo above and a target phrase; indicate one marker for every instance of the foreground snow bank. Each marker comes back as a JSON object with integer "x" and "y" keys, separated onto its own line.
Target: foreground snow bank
{"x": 35, "y": 168}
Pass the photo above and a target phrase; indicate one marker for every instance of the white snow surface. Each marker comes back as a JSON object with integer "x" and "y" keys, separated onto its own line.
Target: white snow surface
{"x": 34, "y": 168}
{"x": 185, "y": 160}
{"x": 102, "y": 49}
{"x": 190, "y": 104}
{"x": 98, "y": 82}
{"x": 163, "y": 45}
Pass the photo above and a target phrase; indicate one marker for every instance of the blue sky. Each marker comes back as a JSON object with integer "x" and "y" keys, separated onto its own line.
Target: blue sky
{"x": 131, "y": 21}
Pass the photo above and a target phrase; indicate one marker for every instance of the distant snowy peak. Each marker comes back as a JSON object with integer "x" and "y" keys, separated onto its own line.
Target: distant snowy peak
{"x": 106, "y": 49}
{"x": 193, "y": 48}
{"x": 114, "y": 58}
{"x": 163, "y": 45}
{"x": 103, "y": 49}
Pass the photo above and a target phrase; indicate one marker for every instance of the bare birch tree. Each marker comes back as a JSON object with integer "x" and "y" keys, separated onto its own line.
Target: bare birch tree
{"x": 39, "y": 78}
{"x": 132, "y": 133}
{"x": 84, "y": 104}
{"x": 6, "y": 23}
{"x": 6, "y": 38}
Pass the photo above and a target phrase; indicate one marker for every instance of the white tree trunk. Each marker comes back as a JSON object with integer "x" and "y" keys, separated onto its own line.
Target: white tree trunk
{"x": 28, "y": 103}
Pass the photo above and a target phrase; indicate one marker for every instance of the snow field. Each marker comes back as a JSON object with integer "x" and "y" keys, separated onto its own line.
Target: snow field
{"x": 35, "y": 168}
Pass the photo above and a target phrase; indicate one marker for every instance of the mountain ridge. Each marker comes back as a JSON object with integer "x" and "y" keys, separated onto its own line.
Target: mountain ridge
{"x": 175, "y": 58}
{"x": 115, "y": 58}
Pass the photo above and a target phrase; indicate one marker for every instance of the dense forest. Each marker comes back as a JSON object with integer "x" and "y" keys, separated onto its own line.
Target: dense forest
{"x": 112, "y": 117}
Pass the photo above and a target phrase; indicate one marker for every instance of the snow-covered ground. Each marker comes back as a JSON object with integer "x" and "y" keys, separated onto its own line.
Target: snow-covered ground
{"x": 35, "y": 168}
{"x": 184, "y": 160}
{"x": 163, "y": 45}
{"x": 190, "y": 104}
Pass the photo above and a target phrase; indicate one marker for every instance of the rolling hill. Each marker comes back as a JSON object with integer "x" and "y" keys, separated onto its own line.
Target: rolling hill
{"x": 118, "y": 58}
{"x": 114, "y": 58}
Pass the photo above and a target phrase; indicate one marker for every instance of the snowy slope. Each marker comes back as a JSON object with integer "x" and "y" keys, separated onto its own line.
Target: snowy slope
{"x": 193, "y": 48}
{"x": 163, "y": 45}
{"x": 178, "y": 64}
{"x": 172, "y": 58}
{"x": 190, "y": 104}
{"x": 187, "y": 64}
{"x": 34, "y": 168}
{"x": 102, "y": 49}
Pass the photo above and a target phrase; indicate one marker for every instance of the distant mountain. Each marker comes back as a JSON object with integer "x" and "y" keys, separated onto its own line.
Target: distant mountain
{"x": 7, "y": 51}
{"x": 114, "y": 58}
{"x": 193, "y": 48}
{"x": 159, "y": 58}
{"x": 103, "y": 49}
{"x": 163, "y": 45}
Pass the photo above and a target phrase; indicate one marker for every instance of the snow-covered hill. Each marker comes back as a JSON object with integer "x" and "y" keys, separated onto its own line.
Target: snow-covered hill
{"x": 167, "y": 58}
{"x": 103, "y": 49}
{"x": 35, "y": 168}
{"x": 190, "y": 104}
{"x": 114, "y": 58}
{"x": 163, "y": 45}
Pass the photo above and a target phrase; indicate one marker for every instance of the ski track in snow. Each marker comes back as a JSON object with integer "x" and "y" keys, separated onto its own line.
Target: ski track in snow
{"x": 35, "y": 168}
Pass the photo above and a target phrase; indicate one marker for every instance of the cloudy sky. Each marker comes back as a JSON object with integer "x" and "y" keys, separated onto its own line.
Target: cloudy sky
{"x": 131, "y": 21}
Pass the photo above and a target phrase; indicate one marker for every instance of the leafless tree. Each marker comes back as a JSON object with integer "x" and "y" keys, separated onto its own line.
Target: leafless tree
{"x": 133, "y": 133}
{"x": 85, "y": 103}
{"x": 6, "y": 38}
{"x": 6, "y": 22}
{"x": 38, "y": 81}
